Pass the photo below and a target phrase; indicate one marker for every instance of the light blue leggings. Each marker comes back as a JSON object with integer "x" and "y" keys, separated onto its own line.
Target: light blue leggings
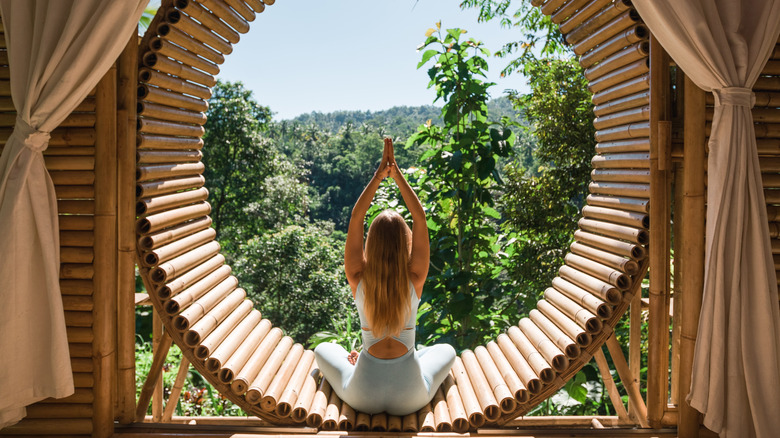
{"x": 397, "y": 386}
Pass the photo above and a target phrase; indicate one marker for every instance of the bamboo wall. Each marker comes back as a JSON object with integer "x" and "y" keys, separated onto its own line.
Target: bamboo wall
{"x": 77, "y": 157}
{"x": 266, "y": 373}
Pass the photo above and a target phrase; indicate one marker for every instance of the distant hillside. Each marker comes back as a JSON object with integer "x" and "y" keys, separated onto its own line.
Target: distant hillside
{"x": 399, "y": 121}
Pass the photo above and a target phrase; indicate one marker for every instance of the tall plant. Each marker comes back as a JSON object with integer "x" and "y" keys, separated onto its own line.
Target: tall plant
{"x": 458, "y": 183}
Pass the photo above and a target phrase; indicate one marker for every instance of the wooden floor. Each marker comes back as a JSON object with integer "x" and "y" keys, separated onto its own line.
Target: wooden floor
{"x": 214, "y": 431}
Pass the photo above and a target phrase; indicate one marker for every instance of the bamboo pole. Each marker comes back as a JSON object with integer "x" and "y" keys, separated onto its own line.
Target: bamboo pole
{"x": 604, "y": 273}
{"x": 149, "y": 141}
{"x": 482, "y": 389}
{"x": 157, "y": 157}
{"x": 634, "y": 52}
{"x": 394, "y": 423}
{"x": 208, "y": 20}
{"x": 222, "y": 329}
{"x": 620, "y": 90}
{"x": 232, "y": 342}
{"x": 320, "y": 404}
{"x": 221, "y": 10}
{"x": 157, "y": 204}
{"x": 633, "y": 34}
{"x": 197, "y": 273}
{"x": 632, "y": 387}
{"x": 164, "y": 47}
{"x": 635, "y": 346}
{"x": 610, "y": 22}
{"x": 631, "y": 130}
{"x": 639, "y": 99}
{"x": 576, "y": 313}
{"x": 346, "y": 419}
{"x": 507, "y": 373}
{"x": 613, "y": 261}
{"x": 105, "y": 263}
{"x": 441, "y": 414}
{"x": 582, "y": 297}
{"x": 626, "y": 116}
{"x": 614, "y": 246}
{"x": 168, "y": 252}
{"x": 564, "y": 323}
{"x": 245, "y": 11}
{"x": 173, "y": 34}
{"x": 658, "y": 326}
{"x": 151, "y": 126}
{"x": 617, "y": 76}
{"x": 154, "y": 374}
{"x": 551, "y": 6}
{"x": 158, "y": 392}
{"x": 72, "y": 177}
{"x": 219, "y": 278}
{"x": 533, "y": 370}
{"x": 259, "y": 385}
{"x": 583, "y": 14}
{"x": 609, "y": 383}
{"x": 640, "y": 205}
{"x": 635, "y": 235}
{"x": 306, "y": 395}
{"x": 599, "y": 288}
{"x": 692, "y": 245}
{"x": 534, "y": 340}
{"x": 175, "y": 19}
{"x": 203, "y": 315}
{"x": 426, "y": 419}
{"x": 457, "y": 411}
{"x": 173, "y": 398}
{"x": 148, "y": 93}
{"x": 410, "y": 423}
{"x": 567, "y": 10}
{"x": 281, "y": 378}
{"x": 159, "y": 221}
{"x": 50, "y": 427}
{"x": 363, "y": 422}
{"x": 157, "y": 240}
{"x": 565, "y": 343}
{"x": 470, "y": 402}
{"x": 159, "y": 171}
{"x": 619, "y": 216}
{"x": 166, "y": 112}
{"x": 171, "y": 67}
{"x": 156, "y": 188}
{"x": 239, "y": 358}
{"x": 378, "y": 422}
{"x": 635, "y": 160}
{"x": 500, "y": 388}
{"x": 152, "y": 77}
{"x": 295, "y": 385}
{"x": 251, "y": 367}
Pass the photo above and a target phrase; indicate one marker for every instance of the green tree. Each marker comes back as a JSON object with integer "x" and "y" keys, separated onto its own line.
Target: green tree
{"x": 541, "y": 205}
{"x": 253, "y": 187}
{"x": 463, "y": 293}
{"x": 295, "y": 275}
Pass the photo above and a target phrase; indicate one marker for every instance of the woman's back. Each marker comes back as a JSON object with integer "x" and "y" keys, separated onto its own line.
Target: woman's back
{"x": 388, "y": 347}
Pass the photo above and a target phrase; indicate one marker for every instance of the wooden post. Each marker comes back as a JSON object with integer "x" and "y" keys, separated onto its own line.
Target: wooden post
{"x": 104, "y": 309}
{"x": 635, "y": 344}
{"x": 634, "y": 395}
{"x": 178, "y": 384}
{"x": 658, "y": 326}
{"x": 694, "y": 159}
{"x": 609, "y": 383}
{"x": 677, "y": 288}
{"x": 157, "y": 346}
{"x": 155, "y": 374}
{"x": 125, "y": 276}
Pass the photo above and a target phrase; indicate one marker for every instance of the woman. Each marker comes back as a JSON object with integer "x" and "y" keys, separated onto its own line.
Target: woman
{"x": 387, "y": 280}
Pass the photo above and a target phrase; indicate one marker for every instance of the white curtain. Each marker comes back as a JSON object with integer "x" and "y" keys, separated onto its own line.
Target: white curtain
{"x": 722, "y": 45}
{"x": 58, "y": 50}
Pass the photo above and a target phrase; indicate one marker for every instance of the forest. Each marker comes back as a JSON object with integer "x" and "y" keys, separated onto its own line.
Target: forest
{"x": 502, "y": 179}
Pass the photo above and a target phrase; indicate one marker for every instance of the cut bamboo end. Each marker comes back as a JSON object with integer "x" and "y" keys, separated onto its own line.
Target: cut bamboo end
{"x": 532, "y": 368}
{"x": 346, "y": 420}
{"x": 482, "y": 389}
{"x": 501, "y": 392}
{"x": 306, "y": 396}
{"x": 457, "y": 411}
{"x": 233, "y": 343}
{"x": 363, "y": 422}
{"x": 441, "y": 415}
{"x": 281, "y": 378}
{"x": 379, "y": 422}
{"x": 425, "y": 419}
{"x": 223, "y": 329}
{"x": 264, "y": 377}
{"x": 320, "y": 404}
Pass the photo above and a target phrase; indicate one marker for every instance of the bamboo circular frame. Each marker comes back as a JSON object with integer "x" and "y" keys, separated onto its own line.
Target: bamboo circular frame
{"x": 202, "y": 305}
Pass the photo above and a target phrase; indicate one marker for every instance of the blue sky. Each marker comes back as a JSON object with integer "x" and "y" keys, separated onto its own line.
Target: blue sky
{"x": 326, "y": 55}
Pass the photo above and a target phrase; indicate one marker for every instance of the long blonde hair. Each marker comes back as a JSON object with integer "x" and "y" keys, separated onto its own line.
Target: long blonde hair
{"x": 386, "y": 274}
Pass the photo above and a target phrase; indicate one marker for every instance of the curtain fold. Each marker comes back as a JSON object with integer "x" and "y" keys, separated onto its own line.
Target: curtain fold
{"x": 722, "y": 45}
{"x": 58, "y": 50}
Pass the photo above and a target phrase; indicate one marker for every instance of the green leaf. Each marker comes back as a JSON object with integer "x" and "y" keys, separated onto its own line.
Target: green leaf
{"x": 427, "y": 56}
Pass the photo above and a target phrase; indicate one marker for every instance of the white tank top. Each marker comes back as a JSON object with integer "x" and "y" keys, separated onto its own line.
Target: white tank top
{"x": 406, "y": 337}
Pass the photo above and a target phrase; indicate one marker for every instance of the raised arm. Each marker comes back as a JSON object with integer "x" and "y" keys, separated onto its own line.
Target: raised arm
{"x": 354, "y": 259}
{"x": 421, "y": 245}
